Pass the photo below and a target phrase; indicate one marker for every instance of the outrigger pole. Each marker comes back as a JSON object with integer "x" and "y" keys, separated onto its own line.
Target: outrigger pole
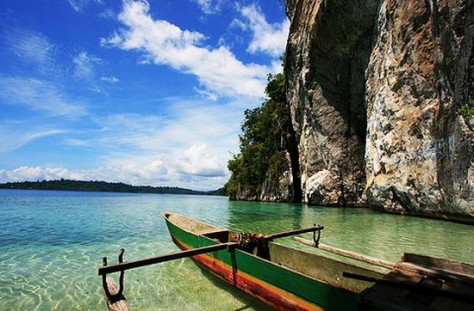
{"x": 314, "y": 229}
{"x": 115, "y": 299}
{"x": 154, "y": 260}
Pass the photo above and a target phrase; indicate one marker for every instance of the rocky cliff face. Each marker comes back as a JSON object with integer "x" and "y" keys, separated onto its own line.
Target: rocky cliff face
{"x": 375, "y": 89}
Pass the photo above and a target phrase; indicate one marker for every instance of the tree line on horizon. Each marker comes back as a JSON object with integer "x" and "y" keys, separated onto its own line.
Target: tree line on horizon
{"x": 100, "y": 186}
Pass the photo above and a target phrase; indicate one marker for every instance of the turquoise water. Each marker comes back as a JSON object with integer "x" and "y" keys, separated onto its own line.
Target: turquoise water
{"x": 51, "y": 244}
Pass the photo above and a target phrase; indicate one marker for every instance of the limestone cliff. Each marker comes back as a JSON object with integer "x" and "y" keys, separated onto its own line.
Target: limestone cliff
{"x": 375, "y": 89}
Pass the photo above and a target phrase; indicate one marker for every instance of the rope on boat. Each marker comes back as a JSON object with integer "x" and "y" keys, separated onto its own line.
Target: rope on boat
{"x": 248, "y": 241}
{"x": 316, "y": 240}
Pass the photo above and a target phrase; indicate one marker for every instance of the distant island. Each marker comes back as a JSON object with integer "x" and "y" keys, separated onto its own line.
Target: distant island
{"x": 101, "y": 186}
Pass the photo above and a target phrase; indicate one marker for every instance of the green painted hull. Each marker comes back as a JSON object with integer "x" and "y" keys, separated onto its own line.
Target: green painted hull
{"x": 273, "y": 283}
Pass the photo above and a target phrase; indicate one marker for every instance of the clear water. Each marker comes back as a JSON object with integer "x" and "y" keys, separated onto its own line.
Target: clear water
{"x": 51, "y": 244}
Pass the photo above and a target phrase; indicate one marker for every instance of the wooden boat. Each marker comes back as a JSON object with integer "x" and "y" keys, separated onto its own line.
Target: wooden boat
{"x": 287, "y": 278}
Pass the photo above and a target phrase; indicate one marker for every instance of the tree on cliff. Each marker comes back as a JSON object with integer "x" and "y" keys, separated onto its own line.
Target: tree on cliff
{"x": 262, "y": 158}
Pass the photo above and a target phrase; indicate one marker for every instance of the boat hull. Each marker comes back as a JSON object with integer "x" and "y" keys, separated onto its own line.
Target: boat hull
{"x": 277, "y": 286}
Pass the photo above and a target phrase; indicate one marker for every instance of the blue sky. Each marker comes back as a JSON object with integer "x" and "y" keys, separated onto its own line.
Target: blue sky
{"x": 146, "y": 93}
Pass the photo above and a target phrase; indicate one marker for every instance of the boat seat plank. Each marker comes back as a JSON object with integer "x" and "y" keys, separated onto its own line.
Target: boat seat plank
{"x": 440, "y": 263}
{"x": 221, "y": 236}
{"x": 420, "y": 289}
{"x": 458, "y": 271}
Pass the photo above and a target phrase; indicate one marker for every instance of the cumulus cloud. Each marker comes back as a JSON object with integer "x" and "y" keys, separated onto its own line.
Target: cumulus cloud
{"x": 163, "y": 43}
{"x": 155, "y": 172}
{"x": 29, "y": 173}
{"x": 266, "y": 38}
{"x": 189, "y": 148}
{"x": 187, "y": 143}
{"x": 197, "y": 160}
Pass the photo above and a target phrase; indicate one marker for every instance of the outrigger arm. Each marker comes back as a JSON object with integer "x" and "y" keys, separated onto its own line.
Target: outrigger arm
{"x": 115, "y": 295}
{"x": 122, "y": 266}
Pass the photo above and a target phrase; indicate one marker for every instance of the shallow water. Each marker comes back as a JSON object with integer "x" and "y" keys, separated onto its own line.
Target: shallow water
{"x": 52, "y": 243}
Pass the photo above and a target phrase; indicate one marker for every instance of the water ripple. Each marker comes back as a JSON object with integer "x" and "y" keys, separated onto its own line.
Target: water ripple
{"x": 53, "y": 242}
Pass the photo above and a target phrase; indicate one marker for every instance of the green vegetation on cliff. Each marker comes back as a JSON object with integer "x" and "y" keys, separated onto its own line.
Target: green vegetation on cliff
{"x": 263, "y": 144}
{"x": 467, "y": 111}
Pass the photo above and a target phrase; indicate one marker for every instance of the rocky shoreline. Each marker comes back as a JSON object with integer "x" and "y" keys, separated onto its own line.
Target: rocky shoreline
{"x": 375, "y": 90}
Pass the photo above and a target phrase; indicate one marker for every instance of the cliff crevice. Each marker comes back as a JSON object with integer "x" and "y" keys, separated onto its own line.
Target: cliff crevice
{"x": 376, "y": 91}
{"x": 327, "y": 54}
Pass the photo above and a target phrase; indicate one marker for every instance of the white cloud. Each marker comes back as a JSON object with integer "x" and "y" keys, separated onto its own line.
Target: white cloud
{"x": 38, "y": 95}
{"x": 77, "y": 142}
{"x": 207, "y": 94}
{"x": 237, "y": 23}
{"x": 189, "y": 148}
{"x": 187, "y": 123}
{"x": 32, "y": 49}
{"x": 84, "y": 65}
{"x": 209, "y": 6}
{"x": 198, "y": 160}
{"x": 80, "y": 5}
{"x": 195, "y": 147}
{"x": 187, "y": 144}
{"x": 266, "y": 38}
{"x": 21, "y": 174}
{"x": 77, "y": 5}
{"x": 218, "y": 70}
{"x": 154, "y": 172}
{"x": 108, "y": 14}
{"x": 111, "y": 80}
{"x": 28, "y": 173}
{"x": 14, "y": 135}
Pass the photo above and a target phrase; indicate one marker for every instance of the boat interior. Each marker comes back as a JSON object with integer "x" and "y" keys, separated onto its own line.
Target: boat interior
{"x": 311, "y": 263}
{"x": 379, "y": 282}
{"x": 318, "y": 266}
